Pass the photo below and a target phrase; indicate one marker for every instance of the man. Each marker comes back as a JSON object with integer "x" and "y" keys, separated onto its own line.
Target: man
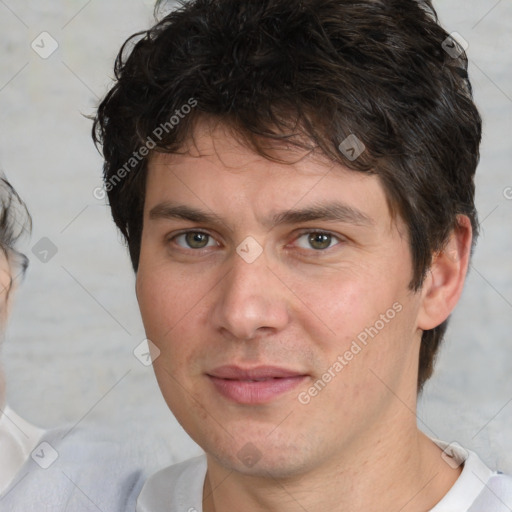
{"x": 67, "y": 468}
{"x": 294, "y": 180}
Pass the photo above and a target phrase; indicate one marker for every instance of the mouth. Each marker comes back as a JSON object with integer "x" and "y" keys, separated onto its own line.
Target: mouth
{"x": 258, "y": 385}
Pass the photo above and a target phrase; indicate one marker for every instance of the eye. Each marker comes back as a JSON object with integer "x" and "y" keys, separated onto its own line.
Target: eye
{"x": 318, "y": 240}
{"x": 194, "y": 240}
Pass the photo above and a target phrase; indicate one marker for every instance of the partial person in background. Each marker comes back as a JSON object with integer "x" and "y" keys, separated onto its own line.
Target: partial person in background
{"x": 67, "y": 468}
{"x": 18, "y": 437}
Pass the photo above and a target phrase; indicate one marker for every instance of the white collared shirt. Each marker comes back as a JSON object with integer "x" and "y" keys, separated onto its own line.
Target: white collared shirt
{"x": 18, "y": 438}
{"x": 179, "y": 488}
{"x": 75, "y": 469}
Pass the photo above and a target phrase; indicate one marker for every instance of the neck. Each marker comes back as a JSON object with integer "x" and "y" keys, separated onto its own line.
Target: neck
{"x": 399, "y": 470}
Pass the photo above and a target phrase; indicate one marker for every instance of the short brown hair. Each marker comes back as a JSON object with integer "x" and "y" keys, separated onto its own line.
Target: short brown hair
{"x": 311, "y": 73}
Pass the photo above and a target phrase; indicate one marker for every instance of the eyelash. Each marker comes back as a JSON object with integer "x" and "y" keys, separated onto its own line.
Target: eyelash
{"x": 299, "y": 235}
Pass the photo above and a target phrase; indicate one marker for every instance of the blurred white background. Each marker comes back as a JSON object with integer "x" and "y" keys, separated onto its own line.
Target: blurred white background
{"x": 68, "y": 352}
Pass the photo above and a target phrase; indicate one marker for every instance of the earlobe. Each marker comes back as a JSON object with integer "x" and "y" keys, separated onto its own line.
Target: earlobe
{"x": 445, "y": 281}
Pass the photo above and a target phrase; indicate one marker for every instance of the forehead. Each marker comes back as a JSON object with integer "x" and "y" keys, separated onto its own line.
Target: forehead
{"x": 218, "y": 172}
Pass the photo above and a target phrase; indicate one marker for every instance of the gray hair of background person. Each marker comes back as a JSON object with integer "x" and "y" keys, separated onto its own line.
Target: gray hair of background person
{"x": 15, "y": 221}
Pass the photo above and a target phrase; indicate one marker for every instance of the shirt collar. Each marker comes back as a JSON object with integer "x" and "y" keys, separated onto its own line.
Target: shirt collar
{"x": 18, "y": 438}
{"x": 471, "y": 482}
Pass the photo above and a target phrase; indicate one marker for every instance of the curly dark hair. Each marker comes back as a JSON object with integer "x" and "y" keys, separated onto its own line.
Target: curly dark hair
{"x": 309, "y": 73}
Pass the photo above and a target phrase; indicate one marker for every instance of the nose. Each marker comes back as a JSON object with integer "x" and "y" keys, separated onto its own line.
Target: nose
{"x": 251, "y": 300}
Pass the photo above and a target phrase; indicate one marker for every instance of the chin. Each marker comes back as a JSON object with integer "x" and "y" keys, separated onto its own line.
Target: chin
{"x": 260, "y": 458}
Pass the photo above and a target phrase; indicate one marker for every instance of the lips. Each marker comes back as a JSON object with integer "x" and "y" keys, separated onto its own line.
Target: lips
{"x": 254, "y": 385}
{"x": 258, "y": 373}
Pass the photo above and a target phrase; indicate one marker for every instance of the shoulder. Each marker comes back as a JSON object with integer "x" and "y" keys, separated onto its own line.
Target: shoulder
{"x": 177, "y": 487}
{"x": 75, "y": 469}
{"x": 478, "y": 488}
{"x": 496, "y": 496}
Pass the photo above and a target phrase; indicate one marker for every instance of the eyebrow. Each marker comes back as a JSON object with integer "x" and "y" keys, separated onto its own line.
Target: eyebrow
{"x": 332, "y": 211}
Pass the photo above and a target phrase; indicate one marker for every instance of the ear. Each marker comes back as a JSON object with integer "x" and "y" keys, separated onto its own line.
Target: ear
{"x": 445, "y": 280}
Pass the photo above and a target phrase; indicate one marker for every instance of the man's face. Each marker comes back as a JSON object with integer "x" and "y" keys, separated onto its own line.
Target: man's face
{"x": 247, "y": 326}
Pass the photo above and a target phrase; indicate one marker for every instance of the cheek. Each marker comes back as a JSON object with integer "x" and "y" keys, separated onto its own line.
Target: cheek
{"x": 159, "y": 304}
{"x": 163, "y": 296}
{"x": 364, "y": 317}
{"x": 344, "y": 303}
{"x": 170, "y": 306}
{"x": 388, "y": 355}
{"x": 164, "y": 306}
